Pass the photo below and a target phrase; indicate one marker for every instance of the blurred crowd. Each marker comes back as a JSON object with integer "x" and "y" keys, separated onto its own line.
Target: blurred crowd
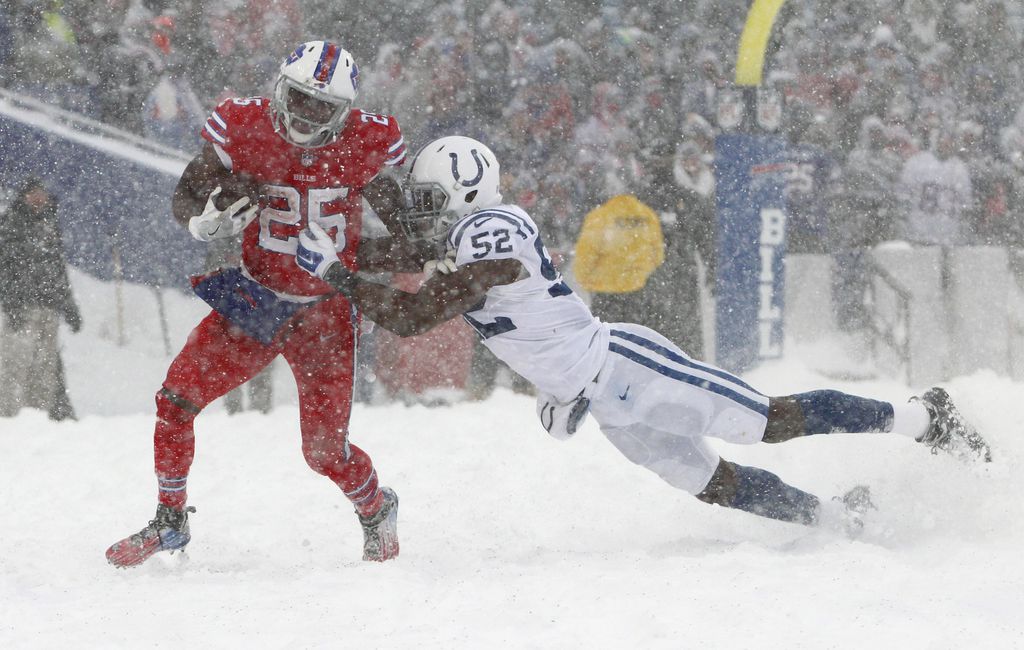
{"x": 903, "y": 117}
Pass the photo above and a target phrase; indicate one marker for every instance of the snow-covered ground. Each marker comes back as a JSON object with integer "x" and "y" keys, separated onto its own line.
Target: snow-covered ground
{"x": 509, "y": 538}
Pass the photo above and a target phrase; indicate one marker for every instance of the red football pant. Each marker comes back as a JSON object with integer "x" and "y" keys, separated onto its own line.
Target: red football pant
{"x": 319, "y": 345}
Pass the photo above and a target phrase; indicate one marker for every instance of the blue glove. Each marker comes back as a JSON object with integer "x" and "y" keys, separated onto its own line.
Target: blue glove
{"x": 315, "y": 253}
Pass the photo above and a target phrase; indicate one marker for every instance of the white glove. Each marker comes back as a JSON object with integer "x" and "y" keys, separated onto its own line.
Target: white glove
{"x": 442, "y": 266}
{"x": 315, "y": 253}
{"x": 218, "y": 224}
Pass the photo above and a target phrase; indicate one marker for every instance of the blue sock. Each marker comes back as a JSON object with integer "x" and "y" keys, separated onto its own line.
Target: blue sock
{"x": 762, "y": 493}
{"x": 830, "y": 411}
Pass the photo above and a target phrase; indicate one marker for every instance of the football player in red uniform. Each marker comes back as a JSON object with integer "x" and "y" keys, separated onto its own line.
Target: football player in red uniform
{"x": 269, "y": 167}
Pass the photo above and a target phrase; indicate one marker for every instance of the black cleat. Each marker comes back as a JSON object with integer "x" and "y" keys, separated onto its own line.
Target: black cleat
{"x": 949, "y": 431}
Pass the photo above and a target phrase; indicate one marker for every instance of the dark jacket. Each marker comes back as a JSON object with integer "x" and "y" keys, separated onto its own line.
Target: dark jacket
{"x": 32, "y": 261}
{"x": 672, "y": 298}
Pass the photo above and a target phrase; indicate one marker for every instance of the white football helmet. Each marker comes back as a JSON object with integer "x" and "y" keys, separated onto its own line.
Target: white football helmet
{"x": 315, "y": 89}
{"x": 449, "y": 178}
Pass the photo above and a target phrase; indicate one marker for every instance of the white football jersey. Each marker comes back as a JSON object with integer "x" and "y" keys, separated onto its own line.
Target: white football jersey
{"x": 536, "y": 325}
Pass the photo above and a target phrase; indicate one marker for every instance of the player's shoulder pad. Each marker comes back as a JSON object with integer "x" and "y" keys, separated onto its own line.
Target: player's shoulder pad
{"x": 381, "y": 132}
{"x": 233, "y": 117}
{"x": 493, "y": 233}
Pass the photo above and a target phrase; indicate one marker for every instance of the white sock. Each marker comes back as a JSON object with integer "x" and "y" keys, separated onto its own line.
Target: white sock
{"x": 910, "y": 419}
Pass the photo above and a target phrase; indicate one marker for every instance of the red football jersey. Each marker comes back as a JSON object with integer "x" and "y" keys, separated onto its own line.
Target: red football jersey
{"x": 322, "y": 184}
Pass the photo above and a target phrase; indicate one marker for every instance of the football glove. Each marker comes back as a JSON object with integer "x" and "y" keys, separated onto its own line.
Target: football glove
{"x": 443, "y": 266}
{"x": 315, "y": 253}
{"x": 215, "y": 223}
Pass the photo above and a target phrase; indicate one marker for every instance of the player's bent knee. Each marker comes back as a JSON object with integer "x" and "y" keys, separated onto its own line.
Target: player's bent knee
{"x": 785, "y": 420}
{"x": 326, "y": 460}
{"x": 172, "y": 407}
{"x": 721, "y": 489}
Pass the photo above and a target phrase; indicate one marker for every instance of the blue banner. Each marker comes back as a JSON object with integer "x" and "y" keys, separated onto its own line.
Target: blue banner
{"x": 750, "y": 173}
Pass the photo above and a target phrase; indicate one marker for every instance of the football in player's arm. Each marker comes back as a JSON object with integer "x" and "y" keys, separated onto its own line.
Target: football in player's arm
{"x": 213, "y": 202}
{"x": 652, "y": 401}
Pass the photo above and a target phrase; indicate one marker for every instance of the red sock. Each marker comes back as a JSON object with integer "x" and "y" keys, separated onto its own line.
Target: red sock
{"x": 174, "y": 446}
{"x": 172, "y": 491}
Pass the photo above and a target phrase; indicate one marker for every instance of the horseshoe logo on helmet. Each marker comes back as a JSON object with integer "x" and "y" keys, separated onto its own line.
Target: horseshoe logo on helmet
{"x": 479, "y": 168}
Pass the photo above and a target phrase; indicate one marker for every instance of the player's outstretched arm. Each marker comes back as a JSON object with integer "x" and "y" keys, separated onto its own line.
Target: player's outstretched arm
{"x": 395, "y": 254}
{"x": 441, "y": 298}
{"x": 384, "y": 195}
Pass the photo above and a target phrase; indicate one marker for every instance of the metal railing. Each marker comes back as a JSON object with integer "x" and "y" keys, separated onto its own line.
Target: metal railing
{"x": 893, "y": 333}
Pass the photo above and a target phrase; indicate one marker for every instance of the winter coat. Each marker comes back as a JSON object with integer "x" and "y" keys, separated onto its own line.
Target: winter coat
{"x": 32, "y": 260}
{"x": 619, "y": 246}
{"x": 671, "y": 301}
{"x": 936, "y": 196}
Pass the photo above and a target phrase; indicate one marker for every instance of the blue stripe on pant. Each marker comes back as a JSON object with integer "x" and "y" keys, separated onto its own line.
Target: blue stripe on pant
{"x": 681, "y": 360}
{"x": 678, "y": 375}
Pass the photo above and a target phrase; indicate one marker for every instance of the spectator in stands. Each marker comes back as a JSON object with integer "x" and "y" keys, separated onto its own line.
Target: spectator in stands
{"x": 681, "y": 188}
{"x": 811, "y": 171}
{"x": 44, "y": 62}
{"x": 127, "y": 74}
{"x": 700, "y": 94}
{"x": 171, "y": 109}
{"x": 96, "y": 27}
{"x": 933, "y": 80}
{"x": 935, "y": 193}
{"x": 500, "y": 63}
{"x": 887, "y": 75}
{"x": 35, "y": 295}
{"x": 650, "y": 114}
{"x": 861, "y": 213}
{"x": 698, "y": 130}
{"x": 599, "y": 134}
{"x": 986, "y": 102}
{"x": 991, "y": 217}
{"x": 619, "y": 247}
{"x": 597, "y": 40}
{"x": 388, "y": 86}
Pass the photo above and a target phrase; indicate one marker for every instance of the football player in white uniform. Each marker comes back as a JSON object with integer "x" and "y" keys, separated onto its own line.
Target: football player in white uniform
{"x": 653, "y": 402}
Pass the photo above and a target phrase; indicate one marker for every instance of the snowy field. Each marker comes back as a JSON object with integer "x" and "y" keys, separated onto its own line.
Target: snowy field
{"x": 509, "y": 538}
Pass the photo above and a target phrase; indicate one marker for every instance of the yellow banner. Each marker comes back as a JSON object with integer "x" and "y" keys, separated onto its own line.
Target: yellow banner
{"x": 754, "y": 41}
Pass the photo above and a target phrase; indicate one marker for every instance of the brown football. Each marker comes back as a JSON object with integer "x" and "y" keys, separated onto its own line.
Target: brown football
{"x": 234, "y": 187}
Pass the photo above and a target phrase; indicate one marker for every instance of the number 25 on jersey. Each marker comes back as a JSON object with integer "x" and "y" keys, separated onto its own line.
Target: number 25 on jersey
{"x": 282, "y": 220}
